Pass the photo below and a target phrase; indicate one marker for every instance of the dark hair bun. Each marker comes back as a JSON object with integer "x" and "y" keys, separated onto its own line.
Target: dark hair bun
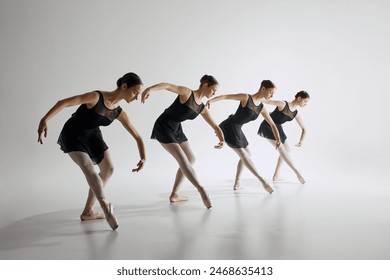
{"x": 119, "y": 82}
{"x": 130, "y": 79}
{"x": 302, "y": 94}
{"x": 210, "y": 80}
{"x": 267, "y": 84}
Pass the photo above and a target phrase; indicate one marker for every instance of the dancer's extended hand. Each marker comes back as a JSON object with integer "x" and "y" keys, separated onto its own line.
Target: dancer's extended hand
{"x": 277, "y": 145}
{"x": 299, "y": 144}
{"x": 145, "y": 95}
{"x": 140, "y": 165}
{"x": 42, "y": 129}
{"x": 219, "y": 145}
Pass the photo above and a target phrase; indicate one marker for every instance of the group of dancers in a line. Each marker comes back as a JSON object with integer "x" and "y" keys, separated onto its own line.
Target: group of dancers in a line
{"x": 82, "y": 139}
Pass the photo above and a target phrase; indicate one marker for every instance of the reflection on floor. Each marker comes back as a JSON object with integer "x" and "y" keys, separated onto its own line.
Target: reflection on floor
{"x": 318, "y": 220}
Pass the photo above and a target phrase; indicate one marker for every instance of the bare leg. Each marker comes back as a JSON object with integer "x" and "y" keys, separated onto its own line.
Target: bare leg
{"x": 177, "y": 152}
{"x": 106, "y": 170}
{"x": 96, "y": 185}
{"x": 277, "y": 176}
{"x": 247, "y": 161}
{"x": 286, "y": 158}
{"x": 279, "y": 164}
{"x": 240, "y": 166}
{"x": 175, "y": 196}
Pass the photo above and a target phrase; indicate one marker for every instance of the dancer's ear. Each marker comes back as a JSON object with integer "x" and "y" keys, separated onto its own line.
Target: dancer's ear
{"x": 124, "y": 87}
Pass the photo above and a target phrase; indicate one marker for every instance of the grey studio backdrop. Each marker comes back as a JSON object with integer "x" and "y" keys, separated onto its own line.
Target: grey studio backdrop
{"x": 336, "y": 50}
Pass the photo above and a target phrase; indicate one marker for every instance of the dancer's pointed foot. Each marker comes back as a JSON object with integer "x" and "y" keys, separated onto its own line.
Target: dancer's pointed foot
{"x": 237, "y": 185}
{"x": 92, "y": 216}
{"x": 268, "y": 188}
{"x": 301, "y": 179}
{"x": 277, "y": 177}
{"x": 177, "y": 198}
{"x": 110, "y": 217}
{"x": 207, "y": 202}
{"x": 205, "y": 198}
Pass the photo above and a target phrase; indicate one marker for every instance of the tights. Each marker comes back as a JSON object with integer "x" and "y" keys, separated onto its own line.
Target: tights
{"x": 184, "y": 157}
{"x": 285, "y": 156}
{"x": 245, "y": 159}
{"x": 95, "y": 181}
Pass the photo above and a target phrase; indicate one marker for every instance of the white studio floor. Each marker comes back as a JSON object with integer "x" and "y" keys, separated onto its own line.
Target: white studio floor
{"x": 333, "y": 219}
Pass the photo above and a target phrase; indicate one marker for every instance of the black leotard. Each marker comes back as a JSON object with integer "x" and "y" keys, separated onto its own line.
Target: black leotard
{"x": 82, "y": 133}
{"x": 167, "y": 128}
{"x": 279, "y": 117}
{"x": 231, "y": 127}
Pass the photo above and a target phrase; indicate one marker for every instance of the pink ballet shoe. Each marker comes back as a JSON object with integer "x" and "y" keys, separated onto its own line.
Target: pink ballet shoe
{"x": 207, "y": 202}
{"x": 237, "y": 186}
{"x": 301, "y": 179}
{"x": 92, "y": 216}
{"x": 268, "y": 189}
{"x": 177, "y": 198}
{"x": 110, "y": 217}
{"x": 205, "y": 198}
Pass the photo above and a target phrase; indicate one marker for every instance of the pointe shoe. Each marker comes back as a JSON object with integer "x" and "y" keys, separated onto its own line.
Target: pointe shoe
{"x": 110, "y": 217}
{"x": 92, "y": 216}
{"x": 207, "y": 202}
{"x": 277, "y": 178}
{"x": 268, "y": 188}
{"x": 237, "y": 186}
{"x": 301, "y": 179}
{"x": 177, "y": 198}
{"x": 205, "y": 198}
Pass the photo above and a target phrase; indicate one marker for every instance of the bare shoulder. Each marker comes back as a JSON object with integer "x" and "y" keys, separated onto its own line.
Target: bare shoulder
{"x": 123, "y": 117}
{"x": 278, "y": 103}
{"x": 181, "y": 90}
{"x": 242, "y": 95}
{"x": 237, "y": 96}
{"x": 93, "y": 94}
{"x": 90, "y": 98}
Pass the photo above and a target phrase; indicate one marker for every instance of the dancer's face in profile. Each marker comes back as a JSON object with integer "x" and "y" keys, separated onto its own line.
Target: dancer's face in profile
{"x": 269, "y": 92}
{"x": 210, "y": 91}
{"x": 132, "y": 93}
{"x": 302, "y": 102}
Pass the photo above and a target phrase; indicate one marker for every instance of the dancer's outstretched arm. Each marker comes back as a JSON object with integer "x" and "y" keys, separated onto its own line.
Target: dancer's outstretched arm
{"x": 180, "y": 90}
{"x": 279, "y": 103}
{"x": 124, "y": 119}
{"x": 242, "y": 97}
{"x": 207, "y": 117}
{"x": 269, "y": 120}
{"x": 303, "y": 133}
{"x": 89, "y": 98}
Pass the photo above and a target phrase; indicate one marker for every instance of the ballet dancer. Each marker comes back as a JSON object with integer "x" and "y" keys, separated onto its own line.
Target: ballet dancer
{"x": 82, "y": 139}
{"x": 284, "y": 112}
{"x": 251, "y": 105}
{"x": 168, "y": 130}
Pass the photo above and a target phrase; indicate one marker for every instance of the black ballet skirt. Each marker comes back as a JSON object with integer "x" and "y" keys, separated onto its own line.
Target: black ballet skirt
{"x": 82, "y": 133}
{"x": 279, "y": 117}
{"x": 231, "y": 127}
{"x": 167, "y": 128}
